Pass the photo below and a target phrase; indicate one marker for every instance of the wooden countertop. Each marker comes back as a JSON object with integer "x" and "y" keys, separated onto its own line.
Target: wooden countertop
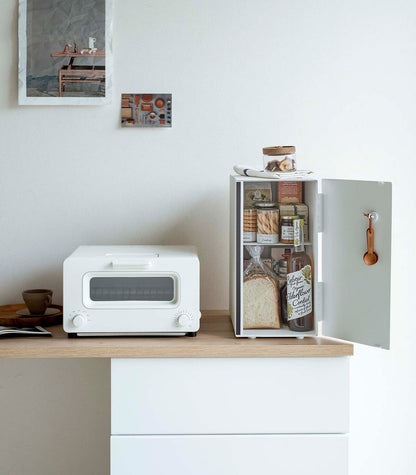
{"x": 215, "y": 339}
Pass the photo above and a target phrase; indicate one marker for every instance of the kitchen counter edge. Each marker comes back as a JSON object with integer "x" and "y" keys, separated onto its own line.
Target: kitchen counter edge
{"x": 215, "y": 340}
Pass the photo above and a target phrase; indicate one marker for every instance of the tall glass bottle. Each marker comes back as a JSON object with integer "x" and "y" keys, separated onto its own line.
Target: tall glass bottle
{"x": 299, "y": 284}
{"x": 283, "y": 290}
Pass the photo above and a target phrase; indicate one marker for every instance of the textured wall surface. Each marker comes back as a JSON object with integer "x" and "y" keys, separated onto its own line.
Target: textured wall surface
{"x": 52, "y": 23}
{"x": 336, "y": 78}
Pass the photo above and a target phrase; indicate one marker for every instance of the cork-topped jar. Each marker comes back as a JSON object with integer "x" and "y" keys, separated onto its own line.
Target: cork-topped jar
{"x": 280, "y": 158}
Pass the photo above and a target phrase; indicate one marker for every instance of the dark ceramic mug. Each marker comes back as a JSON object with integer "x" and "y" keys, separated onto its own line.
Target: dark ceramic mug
{"x": 37, "y": 300}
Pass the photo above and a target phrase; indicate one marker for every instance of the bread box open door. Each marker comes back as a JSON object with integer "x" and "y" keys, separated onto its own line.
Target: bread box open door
{"x": 356, "y": 296}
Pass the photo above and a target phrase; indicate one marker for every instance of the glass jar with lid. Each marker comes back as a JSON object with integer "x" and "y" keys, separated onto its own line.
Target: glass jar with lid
{"x": 283, "y": 268}
{"x": 280, "y": 158}
{"x": 286, "y": 229}
{"x": 267, "y": 222}
{"x": 250, "y": 225}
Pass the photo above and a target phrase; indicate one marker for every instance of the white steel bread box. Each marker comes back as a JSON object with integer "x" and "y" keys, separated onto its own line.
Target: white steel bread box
{"x": 351, "y": 300}
{"x": 131, "y": 290}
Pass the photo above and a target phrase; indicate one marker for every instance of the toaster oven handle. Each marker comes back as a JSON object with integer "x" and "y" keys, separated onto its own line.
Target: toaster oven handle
{"x": 131, "y": 263}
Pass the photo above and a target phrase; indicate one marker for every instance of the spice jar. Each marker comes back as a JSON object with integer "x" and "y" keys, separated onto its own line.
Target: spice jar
{"x": 282, "y": 268}
{"x": 267, "y": 223}
{"x": 279, "y": 159}
{"x": 250, "y": 225}
{"x": 286, "y": 229}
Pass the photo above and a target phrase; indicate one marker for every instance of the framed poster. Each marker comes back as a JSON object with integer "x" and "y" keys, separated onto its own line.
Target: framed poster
{"x": 65, "y": 52}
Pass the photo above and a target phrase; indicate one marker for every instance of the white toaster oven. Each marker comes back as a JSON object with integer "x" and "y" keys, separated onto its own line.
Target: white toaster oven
{"x": 131, "y": 290}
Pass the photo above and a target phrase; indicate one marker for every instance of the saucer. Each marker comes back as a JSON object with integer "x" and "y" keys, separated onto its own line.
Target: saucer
{"x": 49, "y": 311}
{"x": 10, "y": 318}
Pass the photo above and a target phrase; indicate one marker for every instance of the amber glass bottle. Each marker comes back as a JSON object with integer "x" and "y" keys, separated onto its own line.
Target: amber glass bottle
{"x": 299, "y": 284}
{"x": 283, "y": 289}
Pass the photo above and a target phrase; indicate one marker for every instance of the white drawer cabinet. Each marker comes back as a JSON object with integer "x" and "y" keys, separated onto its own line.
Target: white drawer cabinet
{"x": 229, "y": 455}
{"x": 229, "y": 395}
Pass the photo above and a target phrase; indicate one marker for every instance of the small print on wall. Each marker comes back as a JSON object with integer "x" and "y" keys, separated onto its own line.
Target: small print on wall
{"x": 65, "y": 53}
{"x": 146, "y": 110}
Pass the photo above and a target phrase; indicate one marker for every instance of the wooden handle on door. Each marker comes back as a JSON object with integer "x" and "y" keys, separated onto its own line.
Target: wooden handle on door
{"x": 370, "y": 241}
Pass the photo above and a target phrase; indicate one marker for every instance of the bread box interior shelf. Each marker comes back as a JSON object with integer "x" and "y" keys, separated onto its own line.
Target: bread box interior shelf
{"x": 351, "y": 301}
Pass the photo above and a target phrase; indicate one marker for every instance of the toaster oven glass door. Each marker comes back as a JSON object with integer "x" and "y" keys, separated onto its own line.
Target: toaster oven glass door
{"x": 131, "y": 290}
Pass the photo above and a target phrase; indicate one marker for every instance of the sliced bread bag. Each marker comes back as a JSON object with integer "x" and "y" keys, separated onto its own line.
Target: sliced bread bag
{"x": 260, "y": 294}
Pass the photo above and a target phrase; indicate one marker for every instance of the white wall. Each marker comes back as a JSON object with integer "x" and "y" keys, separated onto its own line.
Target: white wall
{"x": 336, "y": 78}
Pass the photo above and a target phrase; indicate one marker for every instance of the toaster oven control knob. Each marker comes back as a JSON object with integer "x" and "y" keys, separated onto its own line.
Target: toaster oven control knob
{"x": 79, "y": 321}
{"x": 183, "y": 320}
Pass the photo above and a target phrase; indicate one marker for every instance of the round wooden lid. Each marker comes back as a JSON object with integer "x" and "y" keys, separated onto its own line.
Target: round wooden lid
{"x": 279, "y": 150}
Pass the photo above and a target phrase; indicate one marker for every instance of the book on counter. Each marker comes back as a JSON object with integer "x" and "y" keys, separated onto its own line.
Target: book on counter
{"x": 24, "y": 331}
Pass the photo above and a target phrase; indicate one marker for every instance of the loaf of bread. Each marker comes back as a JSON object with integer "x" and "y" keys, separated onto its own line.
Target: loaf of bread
{"x": 260, "y": 303}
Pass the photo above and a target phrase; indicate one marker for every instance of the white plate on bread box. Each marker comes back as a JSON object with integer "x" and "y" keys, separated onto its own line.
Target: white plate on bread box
{"x": 351, "y": 300}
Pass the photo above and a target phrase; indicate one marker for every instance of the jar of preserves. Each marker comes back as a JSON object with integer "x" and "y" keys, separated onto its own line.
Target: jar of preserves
{"x": 267, "y": 222}
{"x": 286, "y": 229}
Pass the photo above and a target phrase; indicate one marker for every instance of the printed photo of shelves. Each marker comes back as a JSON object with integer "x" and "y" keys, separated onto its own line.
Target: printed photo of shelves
{"x": 146, "y": 110}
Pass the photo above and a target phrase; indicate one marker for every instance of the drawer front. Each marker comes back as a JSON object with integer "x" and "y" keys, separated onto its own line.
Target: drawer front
{"x": 229, "y": 454}
{"x": 229, "y": 395}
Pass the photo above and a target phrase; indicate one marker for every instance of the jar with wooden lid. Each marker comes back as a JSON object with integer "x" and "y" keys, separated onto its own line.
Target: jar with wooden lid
{"x": 280, "y": 158}
{"x": 267, "y": 222}
{"x": 286, "y": 229}
{"x": 250, "y": 225}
